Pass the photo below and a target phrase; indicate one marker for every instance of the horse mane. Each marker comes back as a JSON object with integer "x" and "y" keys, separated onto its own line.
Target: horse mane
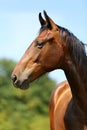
{"x": 75, "y": 46}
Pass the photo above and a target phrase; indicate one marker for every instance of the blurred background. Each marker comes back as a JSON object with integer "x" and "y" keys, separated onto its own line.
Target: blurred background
{"x": 19, "y": 25}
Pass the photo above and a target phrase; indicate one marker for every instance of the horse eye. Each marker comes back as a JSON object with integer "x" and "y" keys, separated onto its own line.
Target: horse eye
{"x": 39, "y": 45}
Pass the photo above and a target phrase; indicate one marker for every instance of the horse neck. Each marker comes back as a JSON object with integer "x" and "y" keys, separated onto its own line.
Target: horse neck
{"x": 76, "y": 72}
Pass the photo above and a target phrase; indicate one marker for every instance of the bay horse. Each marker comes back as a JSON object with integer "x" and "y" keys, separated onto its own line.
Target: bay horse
{"x": 56, "y": 47}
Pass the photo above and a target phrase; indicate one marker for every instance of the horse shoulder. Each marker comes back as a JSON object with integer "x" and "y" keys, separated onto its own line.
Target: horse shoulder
{"x": 59, "y": 100}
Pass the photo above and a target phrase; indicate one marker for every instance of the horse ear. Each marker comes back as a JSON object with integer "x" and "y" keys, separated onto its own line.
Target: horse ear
{"x": 42, "y": 21}
{"x": 49, "y": 21}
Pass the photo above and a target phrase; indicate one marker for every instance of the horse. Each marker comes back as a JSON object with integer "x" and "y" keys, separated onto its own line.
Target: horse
{"x": 56, "y": 47}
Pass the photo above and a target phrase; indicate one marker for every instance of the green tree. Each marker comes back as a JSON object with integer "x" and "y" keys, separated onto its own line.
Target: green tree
{"x": 6, "y": 67}
{"x": 23, "y": 110}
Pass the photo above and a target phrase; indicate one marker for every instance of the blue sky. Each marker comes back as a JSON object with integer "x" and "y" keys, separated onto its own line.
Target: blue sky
{"x": 19, "y": 23}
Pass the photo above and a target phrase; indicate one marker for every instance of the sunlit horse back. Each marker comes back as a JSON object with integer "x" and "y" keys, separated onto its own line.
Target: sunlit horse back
{"x": 57, "y": 48}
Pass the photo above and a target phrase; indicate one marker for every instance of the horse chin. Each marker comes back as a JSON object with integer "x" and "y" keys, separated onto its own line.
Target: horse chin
{"x": 24, "y": 85}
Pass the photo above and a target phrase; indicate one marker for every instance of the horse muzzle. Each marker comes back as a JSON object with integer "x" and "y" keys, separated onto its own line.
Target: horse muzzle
{"x": 18, "y": 83}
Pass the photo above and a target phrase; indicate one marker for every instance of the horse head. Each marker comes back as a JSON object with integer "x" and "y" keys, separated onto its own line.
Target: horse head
{"x": 43, "y": 55}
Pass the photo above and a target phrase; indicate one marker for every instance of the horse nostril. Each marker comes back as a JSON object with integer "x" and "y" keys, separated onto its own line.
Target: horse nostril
{"x": 14, "y": 77}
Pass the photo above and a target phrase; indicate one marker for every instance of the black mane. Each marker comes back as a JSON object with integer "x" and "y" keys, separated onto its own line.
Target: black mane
{"x": 75, "y": 46}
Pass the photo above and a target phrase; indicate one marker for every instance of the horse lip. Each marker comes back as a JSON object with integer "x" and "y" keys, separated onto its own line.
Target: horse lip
{"x": 24, "y": 85}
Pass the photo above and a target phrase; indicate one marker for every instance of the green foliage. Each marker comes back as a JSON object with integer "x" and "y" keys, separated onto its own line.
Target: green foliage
{"x": 23, "y": 110}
